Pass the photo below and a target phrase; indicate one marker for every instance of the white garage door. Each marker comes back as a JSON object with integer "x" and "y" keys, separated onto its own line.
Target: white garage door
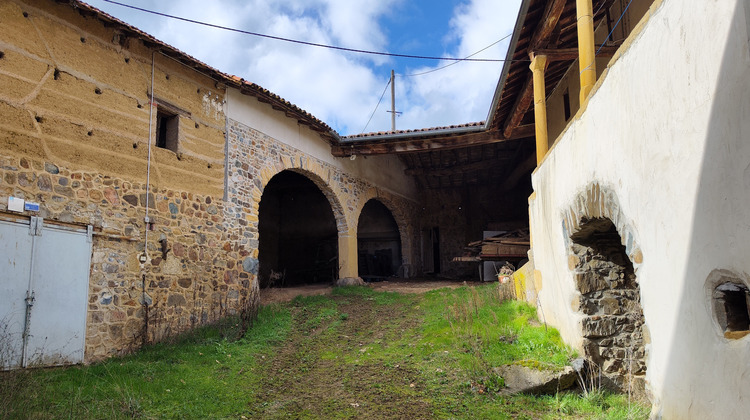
{"x": 44, "y": 277}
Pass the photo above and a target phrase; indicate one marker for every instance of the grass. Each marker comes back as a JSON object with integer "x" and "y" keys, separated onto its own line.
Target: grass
{"x": 354, "y": 354}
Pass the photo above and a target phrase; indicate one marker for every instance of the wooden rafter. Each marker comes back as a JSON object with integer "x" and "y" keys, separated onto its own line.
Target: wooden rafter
{"x": 413, "y": 145}
{"x": 519, "y": 107}
{"x": 566, "y": 54}
{"x": 457, "y": 167}
{"x": 541, "y": 38}
{"x": 551, "y": 17}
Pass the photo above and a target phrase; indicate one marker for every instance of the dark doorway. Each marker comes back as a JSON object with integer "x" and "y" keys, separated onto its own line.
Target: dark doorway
{"x": 431, "y": 250}
{"x": 378, "y": 242}
{"x": 298, "y": 240}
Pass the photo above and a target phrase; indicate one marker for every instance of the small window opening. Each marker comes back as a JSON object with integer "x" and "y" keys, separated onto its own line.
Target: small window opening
{"x": 731, "y": 309}
{"x": 166, "y": 130}
{"x": 566, "y": 105}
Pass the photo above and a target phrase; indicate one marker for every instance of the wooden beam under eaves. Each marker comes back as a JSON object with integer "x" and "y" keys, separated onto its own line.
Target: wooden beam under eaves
{"x": 457, "y": 168}
{"x": 523, "y": 101}
{"x": 543, "y": 34}
{"x": 547, "y": 25}
{"x": 416, "y": 144}
{"x": 569, "y": 54}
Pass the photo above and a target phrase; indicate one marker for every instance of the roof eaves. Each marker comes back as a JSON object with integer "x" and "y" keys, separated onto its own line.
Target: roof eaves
{"x": 508, "y": 61}
{"x": 303, "y": 116}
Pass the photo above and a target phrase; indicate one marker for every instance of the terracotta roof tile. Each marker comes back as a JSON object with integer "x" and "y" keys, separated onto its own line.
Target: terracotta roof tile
{"x": 418, "y": 131}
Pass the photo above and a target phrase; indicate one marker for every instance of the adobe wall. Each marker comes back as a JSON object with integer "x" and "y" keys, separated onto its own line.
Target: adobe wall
{"x": 661, "y": 150}
{"x": 74, "y": 132}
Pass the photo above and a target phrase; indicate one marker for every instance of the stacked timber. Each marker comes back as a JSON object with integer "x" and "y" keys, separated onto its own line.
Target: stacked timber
{"x": 514, "y": 244}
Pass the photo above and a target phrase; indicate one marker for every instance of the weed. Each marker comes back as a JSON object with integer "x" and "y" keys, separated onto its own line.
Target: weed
{"x": 356, "y": 353}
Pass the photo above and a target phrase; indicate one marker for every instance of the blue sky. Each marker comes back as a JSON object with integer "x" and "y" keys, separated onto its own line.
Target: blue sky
{"x": 343, "y": 88}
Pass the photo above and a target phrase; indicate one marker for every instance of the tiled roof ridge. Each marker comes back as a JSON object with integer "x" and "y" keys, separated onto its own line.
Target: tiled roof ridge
{"x": 417, "y": 131}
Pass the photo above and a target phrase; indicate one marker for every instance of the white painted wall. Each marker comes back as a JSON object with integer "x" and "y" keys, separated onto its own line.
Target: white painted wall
{"x": 668, "y": 131}
{"x": 386, "y": 172}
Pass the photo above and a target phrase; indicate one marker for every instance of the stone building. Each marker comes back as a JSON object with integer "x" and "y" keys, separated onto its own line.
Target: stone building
{"x": 143, "y": 193}
{"x": 133, "y": 180}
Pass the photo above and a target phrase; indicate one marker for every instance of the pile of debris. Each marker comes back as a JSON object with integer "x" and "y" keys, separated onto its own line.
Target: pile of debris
{"x": 504, "y": 246}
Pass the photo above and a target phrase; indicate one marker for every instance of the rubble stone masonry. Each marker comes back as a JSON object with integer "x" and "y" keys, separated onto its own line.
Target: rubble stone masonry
{"x": 75, "y": 123}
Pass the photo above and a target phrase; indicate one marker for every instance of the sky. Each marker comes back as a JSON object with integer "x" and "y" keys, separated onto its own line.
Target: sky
{"x": 343, "y": 88}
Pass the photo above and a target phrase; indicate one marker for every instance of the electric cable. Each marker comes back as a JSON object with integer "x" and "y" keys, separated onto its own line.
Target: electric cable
{"x": 608, "y": 35}
{"x": 311, "y": 44}
{"x": 376, "y": 106}
{"x": 614, "y": 27}
{"x": 465, "y": 59}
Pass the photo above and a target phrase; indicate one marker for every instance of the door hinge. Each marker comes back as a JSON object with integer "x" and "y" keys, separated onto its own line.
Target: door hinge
{"x": 90, "y": 233}
{"x": 35, "y": 226}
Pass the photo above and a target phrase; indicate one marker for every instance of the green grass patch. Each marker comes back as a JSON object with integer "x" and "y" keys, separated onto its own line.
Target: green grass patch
{"x": 354, "y": 354}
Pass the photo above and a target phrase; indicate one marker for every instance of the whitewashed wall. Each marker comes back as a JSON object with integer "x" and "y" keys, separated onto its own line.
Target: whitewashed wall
{"x": 386, "y": 172}
{"x": 668, "y": 131}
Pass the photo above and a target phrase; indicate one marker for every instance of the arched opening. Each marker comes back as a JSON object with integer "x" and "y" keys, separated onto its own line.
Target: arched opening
{"x": 612, "y": 326}
{"x": 378, "y": 242}
{"x": 298, "y": 240}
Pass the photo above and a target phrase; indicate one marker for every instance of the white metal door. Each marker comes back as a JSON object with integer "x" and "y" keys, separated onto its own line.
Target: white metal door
{"x": 47, "y": 292}
{"x": 15, "y": 259}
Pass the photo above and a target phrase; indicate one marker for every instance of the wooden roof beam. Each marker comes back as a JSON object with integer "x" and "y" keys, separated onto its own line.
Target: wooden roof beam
{"x": 547, "y": 25}
{"x": 523, "y": 101}
{"x": 542, "y": 36}
{"x": 457, "y": 168}
{"x": 569, "y": 54}
{"x": 415, "y": 145}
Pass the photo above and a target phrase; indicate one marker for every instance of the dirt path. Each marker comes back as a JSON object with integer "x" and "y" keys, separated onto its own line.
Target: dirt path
{"x": 324, "y": 370}
{"x": 276, "y": 295}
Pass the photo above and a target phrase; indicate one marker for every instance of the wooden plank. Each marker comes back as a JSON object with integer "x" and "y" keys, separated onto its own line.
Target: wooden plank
{"x": 547, "y": 25}
{"x": 455, "y": 168}
{"x": 523, "y": 100}
{"x": 542, "y": 36}
{"x": 415, "y": 145}
{"x": 569, "y": 54}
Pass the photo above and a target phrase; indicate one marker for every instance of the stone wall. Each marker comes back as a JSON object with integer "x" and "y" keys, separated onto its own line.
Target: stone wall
{"x": 254, "y": 158}
{"x": 200, "y": 279}
{"x": 74, "y": 131}
{"x": 462, "y": 216}
{"x": 612, "y": 326}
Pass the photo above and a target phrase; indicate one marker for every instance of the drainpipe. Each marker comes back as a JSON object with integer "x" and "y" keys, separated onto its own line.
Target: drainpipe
{"x": 538, "y": 65}
{"x": 146, "y": 221}
{"x": 586, "y": 57}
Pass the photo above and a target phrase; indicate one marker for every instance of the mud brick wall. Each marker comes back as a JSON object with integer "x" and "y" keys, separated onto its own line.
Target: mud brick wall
{"x": 74, "y": 131}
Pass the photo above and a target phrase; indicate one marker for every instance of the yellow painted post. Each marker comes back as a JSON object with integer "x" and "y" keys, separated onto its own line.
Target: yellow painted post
{"x": 538, "y": 65}
{"x": 348, "y": 266}
{"x": 586, "y": 57}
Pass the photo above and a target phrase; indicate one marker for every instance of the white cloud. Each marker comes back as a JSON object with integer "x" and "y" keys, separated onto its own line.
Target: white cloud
{"x": 339, "y": 88}
{"x": 462, "y": 92}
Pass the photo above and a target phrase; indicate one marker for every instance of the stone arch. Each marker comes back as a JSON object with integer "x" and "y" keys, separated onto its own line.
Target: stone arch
{"x": 379, "y": 242}
{"x": 325, "y": 179}
{"x": 601, "y": 202}
{"x": 400, "y": 216}
{"x": 322, "y": 177}
{"x": 604, "y": 257}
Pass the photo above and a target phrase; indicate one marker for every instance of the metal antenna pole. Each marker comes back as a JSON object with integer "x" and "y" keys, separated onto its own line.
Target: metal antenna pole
{"x": 393, "y": 101}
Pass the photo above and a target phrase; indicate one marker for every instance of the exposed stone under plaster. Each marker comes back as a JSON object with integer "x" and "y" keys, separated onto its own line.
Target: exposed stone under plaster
{"x": 609, "y": 294}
